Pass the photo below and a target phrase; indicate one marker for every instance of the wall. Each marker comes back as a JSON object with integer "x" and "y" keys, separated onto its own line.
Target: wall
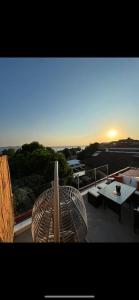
{"x": 6, "y": 202}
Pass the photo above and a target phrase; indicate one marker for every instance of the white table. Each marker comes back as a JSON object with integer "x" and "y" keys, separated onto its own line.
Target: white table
{"x": 109, "y": 192}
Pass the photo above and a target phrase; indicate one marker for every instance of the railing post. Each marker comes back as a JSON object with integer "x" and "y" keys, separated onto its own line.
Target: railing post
{"x": 78, "y": 181}
{"x": 107, "y": 172}
{"x": 95, "y": 175}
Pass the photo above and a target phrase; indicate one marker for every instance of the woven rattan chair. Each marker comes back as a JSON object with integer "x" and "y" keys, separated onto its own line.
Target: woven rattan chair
{"x": 59, "y": 215}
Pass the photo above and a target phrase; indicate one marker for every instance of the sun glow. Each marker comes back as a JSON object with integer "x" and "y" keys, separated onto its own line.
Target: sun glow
{"x": 112, "y": 133}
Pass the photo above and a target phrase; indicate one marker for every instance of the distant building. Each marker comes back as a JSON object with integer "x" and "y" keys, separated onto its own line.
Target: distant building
{"x": 115, "y": 160}
{"x": 123, "y": 143}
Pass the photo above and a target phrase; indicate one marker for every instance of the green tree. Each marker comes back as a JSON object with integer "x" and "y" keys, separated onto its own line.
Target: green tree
{"x": 9, "y": 152}
{"x": 88, "y": 151}
{"x": 23, "y": 200}
{"x": 29, "y": 148}
{"x": 67, "y": 153}
{"x": 34, "y": 169}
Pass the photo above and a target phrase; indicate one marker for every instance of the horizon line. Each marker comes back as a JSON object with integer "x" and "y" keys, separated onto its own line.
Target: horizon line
{"x": 62, "y": 146}
{"x": 47, "y": 146}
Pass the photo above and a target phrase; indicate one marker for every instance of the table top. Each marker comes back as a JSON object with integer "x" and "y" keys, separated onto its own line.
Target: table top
{"x": 109, "y": 191}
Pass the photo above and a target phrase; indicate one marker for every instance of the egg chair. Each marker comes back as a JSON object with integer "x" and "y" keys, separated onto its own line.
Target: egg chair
{"x": 59, "y": 215}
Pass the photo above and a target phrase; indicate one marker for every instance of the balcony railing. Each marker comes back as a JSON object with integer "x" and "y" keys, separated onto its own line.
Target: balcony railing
{"x": 23, "y": 222}
{"x": 88, "y": 176}
{"x": 99, "y": 180}
{"x": 94, "y": 179}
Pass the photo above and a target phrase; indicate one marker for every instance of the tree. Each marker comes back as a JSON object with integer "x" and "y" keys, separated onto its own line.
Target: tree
{"x": 67, "y": 153}
{"x": 32, "y": 147}
{"x": 9, "y": 152}
{"x": 50, "y": 150}
{"x": 88, "y": 151}
{"x": 73, "y": 151}
{"x": 33, "y": 168}
{"x": 23, "y": 199}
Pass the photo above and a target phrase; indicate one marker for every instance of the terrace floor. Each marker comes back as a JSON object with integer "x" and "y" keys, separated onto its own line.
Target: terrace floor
{"x": 103, "y": 226}
{"x": 24, "y": 237}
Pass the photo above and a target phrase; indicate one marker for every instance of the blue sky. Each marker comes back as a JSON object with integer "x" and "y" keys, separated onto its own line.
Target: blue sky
{"x": 68, "y": 101}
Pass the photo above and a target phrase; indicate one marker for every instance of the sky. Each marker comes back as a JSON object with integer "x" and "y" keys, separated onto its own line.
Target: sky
{"x": 68, "y": 101}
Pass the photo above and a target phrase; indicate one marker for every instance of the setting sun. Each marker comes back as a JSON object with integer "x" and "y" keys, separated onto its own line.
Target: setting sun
{"x": 112, "y": 133}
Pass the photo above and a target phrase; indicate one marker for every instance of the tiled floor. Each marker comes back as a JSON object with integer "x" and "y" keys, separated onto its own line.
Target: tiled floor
{"x": 104, "y": 226}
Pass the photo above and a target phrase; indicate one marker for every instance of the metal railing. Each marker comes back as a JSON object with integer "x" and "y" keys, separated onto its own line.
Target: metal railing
{"x": 27, "y": 216}
{"x": 92, "y": 174}
{"x": 100, "y": 180}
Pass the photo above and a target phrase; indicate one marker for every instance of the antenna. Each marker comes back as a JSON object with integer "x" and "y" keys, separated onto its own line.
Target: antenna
{"x": 56, "y": 205}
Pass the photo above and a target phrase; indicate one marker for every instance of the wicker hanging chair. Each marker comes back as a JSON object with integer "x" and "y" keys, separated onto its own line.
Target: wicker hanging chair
{"x": 59, "y": 215}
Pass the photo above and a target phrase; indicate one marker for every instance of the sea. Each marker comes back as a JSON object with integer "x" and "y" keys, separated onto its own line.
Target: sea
{"x": 9, "y": 147}
{"x": 69, "y": 147}
{"x": 55, "y": 148}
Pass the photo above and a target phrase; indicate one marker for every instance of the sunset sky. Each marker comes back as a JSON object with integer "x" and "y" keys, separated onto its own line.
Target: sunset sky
{"x": 68, "y": 101}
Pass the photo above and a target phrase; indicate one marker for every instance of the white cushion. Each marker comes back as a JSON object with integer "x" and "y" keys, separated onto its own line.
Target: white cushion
{"x": 94, "y": 191}
{"x": 134, "y": 182}
{"x": 127, "y": 179}
{"x": 137, "y": 193}
{"x": 101, "y": 185}
{"x": 111, "y": 178}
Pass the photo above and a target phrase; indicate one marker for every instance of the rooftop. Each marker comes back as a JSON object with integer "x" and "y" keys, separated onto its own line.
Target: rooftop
{"x": 116, "y": 161}
{"x": 103, "y": 224}
{"x": 73, "y": 162}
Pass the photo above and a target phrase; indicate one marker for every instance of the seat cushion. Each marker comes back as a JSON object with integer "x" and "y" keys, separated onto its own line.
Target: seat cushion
{"x": 111, "y": 178}
{"x": 101, "y": 185}
{"x": 94, "y": 191}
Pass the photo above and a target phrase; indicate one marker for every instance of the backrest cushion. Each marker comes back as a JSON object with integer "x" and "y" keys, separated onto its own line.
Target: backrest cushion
{"x": 134, "y": 182}
{"x": 127, "y": 179}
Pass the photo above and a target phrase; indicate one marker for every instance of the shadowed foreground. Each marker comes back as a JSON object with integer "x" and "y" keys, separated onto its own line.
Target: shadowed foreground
{"x": 103, "y": 226}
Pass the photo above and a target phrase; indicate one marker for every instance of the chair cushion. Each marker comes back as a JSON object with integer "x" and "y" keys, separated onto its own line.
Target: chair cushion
{"x": 94, "y": 191}
{"x": 101, "y": 185}
{"x": 127, "y": 179}
{"x": 135, "y": 182}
